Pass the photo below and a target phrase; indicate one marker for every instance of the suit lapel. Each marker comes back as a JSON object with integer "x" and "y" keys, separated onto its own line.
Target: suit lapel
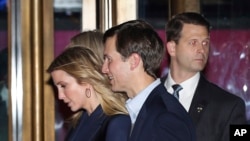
{"x": 138, "y": 124}
{"x": 140, "y": 120}
{"x": 200, "y": 100}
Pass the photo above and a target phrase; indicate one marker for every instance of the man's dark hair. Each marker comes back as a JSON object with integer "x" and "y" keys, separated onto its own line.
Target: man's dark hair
{"x": 137, "y": 36}
{"x": 175, "y": 25}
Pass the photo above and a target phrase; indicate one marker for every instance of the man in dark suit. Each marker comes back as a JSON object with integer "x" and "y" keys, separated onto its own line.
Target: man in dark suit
{"x": 133, "y": 52}
{"x": 212, "y": 109}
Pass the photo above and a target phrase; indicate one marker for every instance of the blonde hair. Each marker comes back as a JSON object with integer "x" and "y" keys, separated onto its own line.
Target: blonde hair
{"x": 91, "y": 39}
{"x": 85, "y": 66}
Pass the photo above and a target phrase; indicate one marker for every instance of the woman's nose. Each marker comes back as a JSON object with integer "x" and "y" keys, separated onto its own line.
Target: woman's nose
{"x": 61, "y": 95}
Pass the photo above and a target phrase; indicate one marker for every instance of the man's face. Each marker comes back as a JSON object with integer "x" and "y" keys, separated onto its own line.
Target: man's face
{"x": 191, "y": 52}
{"x": 115, "y": 67}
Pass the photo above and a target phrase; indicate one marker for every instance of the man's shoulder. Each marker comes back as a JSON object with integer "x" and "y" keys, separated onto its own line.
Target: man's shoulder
{"x": 161, "y": 94}
{"x": 166, "y": 100}
{"x": 217, "y": 92}
{"x": 119, "y": 118}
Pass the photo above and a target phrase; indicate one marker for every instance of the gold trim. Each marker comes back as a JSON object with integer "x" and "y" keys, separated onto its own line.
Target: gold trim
{"x": 27, "y": 74}
{"x": 37, "y": 52}
{"x": 48, "y": 56}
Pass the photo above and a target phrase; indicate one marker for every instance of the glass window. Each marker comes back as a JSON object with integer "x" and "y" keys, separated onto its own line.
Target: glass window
{"x": 227, "y": 14}
{"x": 67, "y": 22}
{"x": 3, "y": 72}
{"x": 229, "y": 63}
{"x": 154, "y": 11}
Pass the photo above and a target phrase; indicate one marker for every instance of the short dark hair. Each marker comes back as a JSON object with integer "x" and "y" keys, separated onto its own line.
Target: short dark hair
{"x": 175, "y": 25}
{"x": 137, "y": 36}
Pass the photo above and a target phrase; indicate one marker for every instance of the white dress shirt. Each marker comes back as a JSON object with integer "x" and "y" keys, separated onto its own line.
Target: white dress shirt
{"x": 187, "y": 93}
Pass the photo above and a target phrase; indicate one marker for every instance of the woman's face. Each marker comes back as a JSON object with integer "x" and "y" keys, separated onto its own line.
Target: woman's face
{"x": 71, "y": 92}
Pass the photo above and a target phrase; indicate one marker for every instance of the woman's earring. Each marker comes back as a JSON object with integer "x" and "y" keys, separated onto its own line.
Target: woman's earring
{"x": 88, "y": 93}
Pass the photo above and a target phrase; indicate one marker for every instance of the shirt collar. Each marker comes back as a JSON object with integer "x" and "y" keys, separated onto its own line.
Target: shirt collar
{"x": 189, "y": 83}
{"x": 134, "y": 105}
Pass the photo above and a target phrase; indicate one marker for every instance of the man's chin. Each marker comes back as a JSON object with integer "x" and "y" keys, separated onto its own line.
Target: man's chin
{"x": 116, "y": 89}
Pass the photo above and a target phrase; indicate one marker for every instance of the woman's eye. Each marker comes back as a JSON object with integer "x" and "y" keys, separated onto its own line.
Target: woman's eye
{"x": 62, "y": 86}
{"x": 109, "y": 60}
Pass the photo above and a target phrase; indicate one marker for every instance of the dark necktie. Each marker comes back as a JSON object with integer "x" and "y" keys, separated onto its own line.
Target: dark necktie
{"x": 176, "y": 88}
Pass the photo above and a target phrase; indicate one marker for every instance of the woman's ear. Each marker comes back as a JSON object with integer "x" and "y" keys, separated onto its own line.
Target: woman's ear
{"x": 171, "y": 47}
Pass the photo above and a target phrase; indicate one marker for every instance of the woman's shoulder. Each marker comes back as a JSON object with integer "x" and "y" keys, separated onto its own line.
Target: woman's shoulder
{"x": 115, "y": 127}
{"x": 116, "y": 120}
{"x": 118, "y": 128}
{"x": 119, "y": 119}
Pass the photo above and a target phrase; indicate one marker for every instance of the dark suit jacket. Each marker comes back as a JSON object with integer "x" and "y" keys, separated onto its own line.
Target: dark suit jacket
{"x": 99, "y": 127}
{"x": 118, "y": 128}
{"x": 162, "y": 118}
{"x": 213, "y": 110}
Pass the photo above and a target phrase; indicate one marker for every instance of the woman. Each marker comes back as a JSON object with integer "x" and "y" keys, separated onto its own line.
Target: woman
{"x": 91, "y": 39}
{"x": 100, "y": 113}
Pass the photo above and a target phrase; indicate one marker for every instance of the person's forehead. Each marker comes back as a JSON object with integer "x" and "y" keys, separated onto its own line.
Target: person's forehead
{"x": 190, "y": 30}
{"x": 110, "y": 44}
